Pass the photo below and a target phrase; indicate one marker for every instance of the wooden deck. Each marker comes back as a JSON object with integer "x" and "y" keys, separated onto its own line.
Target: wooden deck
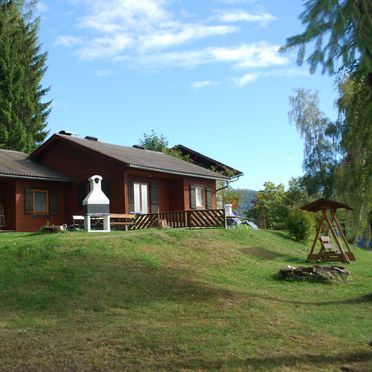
{"x": 182, "y": 219}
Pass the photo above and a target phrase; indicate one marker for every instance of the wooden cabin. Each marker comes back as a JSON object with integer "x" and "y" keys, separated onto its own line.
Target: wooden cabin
{"x": 49, "y": 185}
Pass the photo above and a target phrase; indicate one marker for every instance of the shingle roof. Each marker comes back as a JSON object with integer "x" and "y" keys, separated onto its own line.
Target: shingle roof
{"x": 322, "y": 203}
{"x": 206, "y": 161}
{"x": 145, "y": 159}
{"x": 16, "y": 164}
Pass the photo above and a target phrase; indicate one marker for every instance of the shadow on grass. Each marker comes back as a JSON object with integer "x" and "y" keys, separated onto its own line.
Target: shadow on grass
{"x": 53, "y": 281}
{"x": 348, "y": 301}
{"x": 280, "y": 361}
{"x": 268, "y": 255}
{"x": 46, "y": 278}
{"x": 281, "y": 234}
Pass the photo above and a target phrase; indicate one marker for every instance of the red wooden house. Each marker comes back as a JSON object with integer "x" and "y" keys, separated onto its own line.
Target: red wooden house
{"x": 50, "y": 184}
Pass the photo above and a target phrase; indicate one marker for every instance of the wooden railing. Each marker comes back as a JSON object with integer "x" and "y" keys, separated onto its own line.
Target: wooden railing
{"x": 191, "y": 218}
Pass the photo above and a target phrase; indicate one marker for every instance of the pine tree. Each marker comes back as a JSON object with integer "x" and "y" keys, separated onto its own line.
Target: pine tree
{"x": 341, "y": 31}
{"x": 23, "y": 114}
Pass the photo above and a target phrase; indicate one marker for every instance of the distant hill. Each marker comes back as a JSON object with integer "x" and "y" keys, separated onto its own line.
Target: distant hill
{"x": 245, "y": 202}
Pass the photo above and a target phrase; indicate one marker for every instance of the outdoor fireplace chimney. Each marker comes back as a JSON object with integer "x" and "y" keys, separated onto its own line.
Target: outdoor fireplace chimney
{"x": 96, "y": 205}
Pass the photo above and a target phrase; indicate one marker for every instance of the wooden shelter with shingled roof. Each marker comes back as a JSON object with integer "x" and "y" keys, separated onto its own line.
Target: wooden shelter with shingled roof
{"x": 333, "y": 243}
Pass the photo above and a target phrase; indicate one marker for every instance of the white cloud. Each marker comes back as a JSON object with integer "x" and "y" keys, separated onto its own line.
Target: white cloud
{"x": 106, "y": 46}
{"x": 188, "y": 33}
{"x": 146, "y": 23}
{"x": 245, "y": 79}
{"x": 123, "y": 15}
{"x": 68, "y": 41}
{"x": 241, "y": 56}
{"x": 281, "y": 73}
{"x": 146, "y": 32}
{"x": 203, "y": 84}
{"x": 243, "y": 16}
{"x": 290, "y": 72}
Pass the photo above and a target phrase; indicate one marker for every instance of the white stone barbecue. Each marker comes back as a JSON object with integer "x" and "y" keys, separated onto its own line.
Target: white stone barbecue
{"x": 96, "y": 205}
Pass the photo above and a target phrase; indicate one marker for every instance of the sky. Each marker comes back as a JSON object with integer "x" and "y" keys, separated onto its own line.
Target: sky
{"x": 204, "y": 73}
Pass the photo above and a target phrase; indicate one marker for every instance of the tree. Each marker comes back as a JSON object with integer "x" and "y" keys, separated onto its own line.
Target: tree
{"x": 160, "y": 143}
{"x": 341, "y": 30}
{"x": 154, "y": 142}
{"x": 23, "y": 114}
{"x": 269, "y": 209}
{"x": 296, "y": 195}
{"x": 319, "y": 151}
{"x": 353, "y": 175}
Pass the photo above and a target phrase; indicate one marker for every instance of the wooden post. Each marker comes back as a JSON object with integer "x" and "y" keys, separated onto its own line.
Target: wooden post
{"x": 341, "y": 232}
{"x": 336, "y": 240}
{"x": 189, "y": 219}
{"x": 317, "y": 235}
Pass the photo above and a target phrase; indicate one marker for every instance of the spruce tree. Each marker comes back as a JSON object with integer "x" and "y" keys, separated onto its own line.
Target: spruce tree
{"x": 23, "y": 113}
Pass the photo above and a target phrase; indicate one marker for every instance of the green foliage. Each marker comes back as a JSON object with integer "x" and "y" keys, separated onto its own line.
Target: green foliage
{"x": 269, "y": 208}
{"x": 23, "y": 113}
{"x": 230, "y": 196}
{"x": 319, "y": 151}
{"x": 353, "y": 175}
{"x": 340, "y": 30}
{"x": 154, "y": 142}
{"x": 300, "y": 224}
{"x": 297, "y": 195}
{"x": 160, "y": 143}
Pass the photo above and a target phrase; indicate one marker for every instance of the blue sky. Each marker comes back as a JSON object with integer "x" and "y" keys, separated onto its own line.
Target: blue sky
{"x": 205, "y": 73}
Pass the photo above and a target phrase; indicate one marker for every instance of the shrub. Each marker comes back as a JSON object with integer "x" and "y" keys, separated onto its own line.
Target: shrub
{"x": 301, "y": 225}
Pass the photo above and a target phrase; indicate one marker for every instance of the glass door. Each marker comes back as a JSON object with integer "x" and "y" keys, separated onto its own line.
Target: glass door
{"x": 141, "y": 198}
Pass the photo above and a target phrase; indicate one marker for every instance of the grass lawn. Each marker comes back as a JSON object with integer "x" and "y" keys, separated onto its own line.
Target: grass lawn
{"x": 179, "y": 300}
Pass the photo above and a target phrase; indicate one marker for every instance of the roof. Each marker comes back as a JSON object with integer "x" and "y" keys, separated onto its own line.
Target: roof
{"x": 205, "y": 161}
{"x": 16, "y": 164}
{"x": 320, "y": 204}
{"x": 138, "y": 158}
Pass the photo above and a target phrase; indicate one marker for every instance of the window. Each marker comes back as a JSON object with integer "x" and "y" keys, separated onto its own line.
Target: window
{"x": 141, "y": 198}
{"x": 40, "y": 202}
{"x": 199, "y": 197}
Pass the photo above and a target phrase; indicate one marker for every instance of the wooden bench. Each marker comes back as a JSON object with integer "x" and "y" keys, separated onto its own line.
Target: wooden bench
{"x": 118, "y": 219}
{"x": 327, "y": 244}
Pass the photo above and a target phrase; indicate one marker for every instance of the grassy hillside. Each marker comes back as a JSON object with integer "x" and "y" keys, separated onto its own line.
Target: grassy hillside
{"x": 201, "y": 299}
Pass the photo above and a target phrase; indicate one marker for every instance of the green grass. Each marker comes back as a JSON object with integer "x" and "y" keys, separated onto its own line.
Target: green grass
{"x": 179, "y": 300}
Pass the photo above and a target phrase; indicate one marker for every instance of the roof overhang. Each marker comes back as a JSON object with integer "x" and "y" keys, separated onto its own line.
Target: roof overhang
{"x": 38, "y": 178}
{"x": 143, "y": 167}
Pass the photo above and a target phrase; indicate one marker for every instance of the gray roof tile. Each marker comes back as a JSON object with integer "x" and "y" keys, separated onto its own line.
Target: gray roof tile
{"x": 145, "y": 159}
{"x": 16, "y": 164}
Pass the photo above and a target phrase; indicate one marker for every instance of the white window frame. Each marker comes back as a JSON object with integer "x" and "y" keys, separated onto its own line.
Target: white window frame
{"x": 199, "y": 197}
{"x": 44, "y": 194}
{"x": 141, "y": 197}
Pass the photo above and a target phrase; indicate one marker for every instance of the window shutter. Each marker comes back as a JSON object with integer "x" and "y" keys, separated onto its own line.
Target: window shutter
{"x": 154, "y": 195}
{"x": 29, "y": 203}
{"x": 192, "y": 197}
{"x": 82, "y": 192}
{"x": 131, "y": 196}
{"x": 106, "y": 187}
{"x": 53, "y": 202}
{"x": 209, "y": 198}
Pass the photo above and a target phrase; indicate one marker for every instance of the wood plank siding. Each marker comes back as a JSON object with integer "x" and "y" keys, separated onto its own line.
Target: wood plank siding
{"x": 167, "y": 191}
